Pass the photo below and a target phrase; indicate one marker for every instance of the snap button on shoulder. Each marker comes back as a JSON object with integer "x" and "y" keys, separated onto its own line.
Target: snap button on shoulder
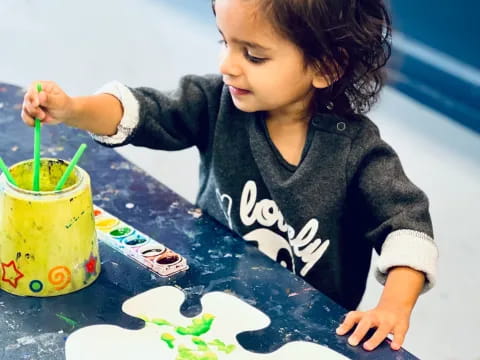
{"x": 341, "y": 126}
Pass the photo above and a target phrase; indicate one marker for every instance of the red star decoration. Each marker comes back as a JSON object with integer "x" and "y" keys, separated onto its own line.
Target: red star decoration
{"x": 13, "y": 282}
{"x": 91, "y": 265}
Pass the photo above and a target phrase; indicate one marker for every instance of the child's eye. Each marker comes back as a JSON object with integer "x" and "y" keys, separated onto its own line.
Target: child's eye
{"x": 222, "y": 42}
{"x": 254, "y": 59}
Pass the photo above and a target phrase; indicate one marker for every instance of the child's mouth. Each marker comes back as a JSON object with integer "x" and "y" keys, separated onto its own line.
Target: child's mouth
{"x": 237, "y": 92}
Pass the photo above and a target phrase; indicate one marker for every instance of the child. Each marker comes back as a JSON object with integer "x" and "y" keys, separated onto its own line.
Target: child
{"x": 287, "y": 159}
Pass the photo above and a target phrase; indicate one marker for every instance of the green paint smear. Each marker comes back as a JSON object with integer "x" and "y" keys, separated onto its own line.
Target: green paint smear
{"x": 160, "y": 322}
{"x": 69, "y": 321}
{"x": 185, "y": 353}
{"x": 221, "y": 346}
{"x": 202, "y": 345}
{"x": 144, "y": 318}
{"x": 168, "y": 339}
{"x": 199, "y": 326}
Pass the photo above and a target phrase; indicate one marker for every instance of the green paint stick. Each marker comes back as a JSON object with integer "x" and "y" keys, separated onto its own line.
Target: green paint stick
{"x": 69, "y": 321}
{"x": 70, "y": 167}
{"x": 36, "y": 150}
{"x": 5, "y": 170}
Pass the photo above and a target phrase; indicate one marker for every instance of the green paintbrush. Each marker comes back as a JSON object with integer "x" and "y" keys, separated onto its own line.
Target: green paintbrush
{"x": 5, "y": 170}
{"x": 70, "y": 167}
{"x": 36, "y": 150}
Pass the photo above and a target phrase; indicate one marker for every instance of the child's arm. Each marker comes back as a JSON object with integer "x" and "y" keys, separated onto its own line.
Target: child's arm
{"x": 99, "y": 114}
{"x": 140, "y": 116}
{"x": 167, "y": 120}
{"x": 391, "y": 315}
{"x": 395, "y": 219}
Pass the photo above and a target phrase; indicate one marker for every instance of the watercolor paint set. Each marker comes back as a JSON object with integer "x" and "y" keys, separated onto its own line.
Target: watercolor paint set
{"x": 137, "y": 245}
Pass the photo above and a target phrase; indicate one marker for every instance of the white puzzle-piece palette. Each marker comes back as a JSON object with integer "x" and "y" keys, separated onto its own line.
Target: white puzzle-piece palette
{"x": 168, "y": 335}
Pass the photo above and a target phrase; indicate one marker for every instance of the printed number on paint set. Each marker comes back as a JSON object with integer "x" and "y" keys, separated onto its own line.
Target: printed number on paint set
{"x": 136, "y": 245}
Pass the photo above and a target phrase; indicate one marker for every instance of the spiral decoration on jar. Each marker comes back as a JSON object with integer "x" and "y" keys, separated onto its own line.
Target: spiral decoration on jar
{"x": 59, "y": 277}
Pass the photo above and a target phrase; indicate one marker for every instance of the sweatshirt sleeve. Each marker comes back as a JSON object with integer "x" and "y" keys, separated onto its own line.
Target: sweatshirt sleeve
{"x": 166, "y": 120}
{"x": 396, "y": 217}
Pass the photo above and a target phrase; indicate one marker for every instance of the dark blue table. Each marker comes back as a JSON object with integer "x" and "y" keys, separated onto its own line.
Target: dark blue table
{"x": 36, "y": 328}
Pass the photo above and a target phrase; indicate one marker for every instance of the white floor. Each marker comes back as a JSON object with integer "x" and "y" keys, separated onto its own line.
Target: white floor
{"x": 81, "y": 45}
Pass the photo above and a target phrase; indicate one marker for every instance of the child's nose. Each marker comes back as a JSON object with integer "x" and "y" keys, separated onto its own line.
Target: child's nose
{"x": 228, "y": 64}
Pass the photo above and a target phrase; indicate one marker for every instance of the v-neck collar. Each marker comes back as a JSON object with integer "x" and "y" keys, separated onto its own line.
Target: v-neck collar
{"x": 261, "y": 119}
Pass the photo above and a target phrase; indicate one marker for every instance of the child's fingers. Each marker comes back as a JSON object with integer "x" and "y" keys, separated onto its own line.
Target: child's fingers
{"x": 34, "y": 111}
{"x": 39, "y": 98}
{"x": 31, "y": 97}
{"x": 35, "y": 103}
{"x": 351, "y": 319}
{"x": 53, "y": 100}
{"x": 27, "y": 119}
{"x": 47, "y": 95}
{"x": 43, "y": 98}
{"x": 31, "y": 100}
{"x": 50, "y": 120}
{"x": 360, "y": 331}
{"x": 380, "y": 334}
{"x": 399, "y": 337}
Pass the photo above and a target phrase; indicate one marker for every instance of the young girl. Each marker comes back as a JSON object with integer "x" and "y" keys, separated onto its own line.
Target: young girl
{"x": 287, "y": 159}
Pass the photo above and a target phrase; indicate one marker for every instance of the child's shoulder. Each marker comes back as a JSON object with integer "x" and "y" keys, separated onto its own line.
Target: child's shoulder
{"x": 211, "y": 82}
{"x": 206, "y": 89}
{"x": 352, "y": 126}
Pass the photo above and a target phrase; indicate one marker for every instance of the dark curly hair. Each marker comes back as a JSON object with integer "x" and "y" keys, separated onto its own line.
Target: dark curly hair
{"x": 347, "y": 40}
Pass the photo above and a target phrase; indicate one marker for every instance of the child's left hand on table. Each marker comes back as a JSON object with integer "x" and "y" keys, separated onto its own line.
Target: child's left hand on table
{"x": 391, "y": 315}
{"x": 386, "y": 321}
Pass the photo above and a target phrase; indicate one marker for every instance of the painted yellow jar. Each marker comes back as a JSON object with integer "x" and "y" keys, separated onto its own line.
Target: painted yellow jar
{"x": 48, "y": 242}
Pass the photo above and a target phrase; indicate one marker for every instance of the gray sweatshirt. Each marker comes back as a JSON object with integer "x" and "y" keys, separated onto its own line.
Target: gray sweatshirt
{"x": 320, "y": 219}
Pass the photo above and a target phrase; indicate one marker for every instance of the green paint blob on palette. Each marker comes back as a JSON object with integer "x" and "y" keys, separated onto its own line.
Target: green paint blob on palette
{"x": 137, "y": 245}
{"x": 121, "y": 232}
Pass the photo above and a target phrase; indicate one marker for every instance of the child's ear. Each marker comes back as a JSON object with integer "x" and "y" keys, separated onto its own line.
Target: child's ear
{"x": 329, "y": 72}
{"x": 325, "y": 78}
{"x": 320, "y": 81}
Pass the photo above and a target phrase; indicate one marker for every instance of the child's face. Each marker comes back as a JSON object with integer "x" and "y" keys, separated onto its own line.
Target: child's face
{"x": 264, "y": 71}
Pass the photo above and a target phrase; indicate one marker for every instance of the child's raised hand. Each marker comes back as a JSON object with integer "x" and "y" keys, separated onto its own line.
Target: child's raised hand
{"x": 52, "y": 105}
{"x": 385, "y": 320}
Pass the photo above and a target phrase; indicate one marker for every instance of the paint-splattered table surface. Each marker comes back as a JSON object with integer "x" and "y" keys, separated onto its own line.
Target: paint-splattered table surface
{"x": 36, "y": 328}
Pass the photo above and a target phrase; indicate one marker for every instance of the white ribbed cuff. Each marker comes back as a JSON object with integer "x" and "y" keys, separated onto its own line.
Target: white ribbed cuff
{"x": 409, "y": 248}
{"x": 130, "y": 117}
